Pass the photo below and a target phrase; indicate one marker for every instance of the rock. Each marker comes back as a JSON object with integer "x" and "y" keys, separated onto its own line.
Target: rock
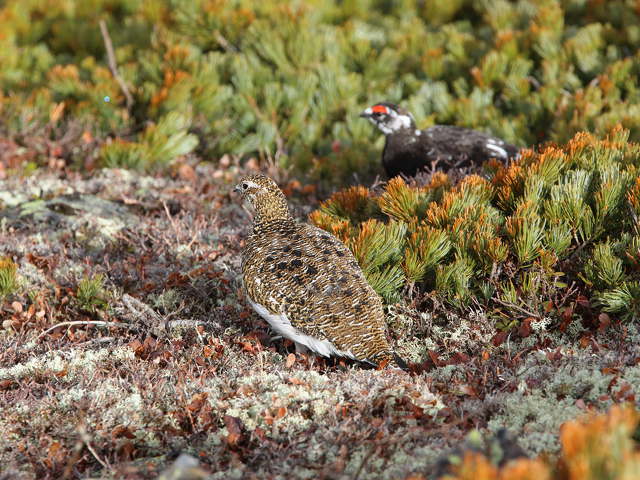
{"x": 185, "y": 467}
{"x": 89, "y": 216}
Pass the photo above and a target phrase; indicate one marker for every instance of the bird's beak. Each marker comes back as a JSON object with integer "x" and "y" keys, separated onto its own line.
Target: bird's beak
{"x": 366, "y": 113}
{"x": 236, "y": 189}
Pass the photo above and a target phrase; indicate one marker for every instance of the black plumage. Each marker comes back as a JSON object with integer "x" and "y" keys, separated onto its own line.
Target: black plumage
{"x": 408, "y": 150}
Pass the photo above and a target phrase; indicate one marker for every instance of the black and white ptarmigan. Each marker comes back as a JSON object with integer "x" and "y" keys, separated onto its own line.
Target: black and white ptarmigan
{"x": 307, "y": 284}
{"x": 408, "y": 150}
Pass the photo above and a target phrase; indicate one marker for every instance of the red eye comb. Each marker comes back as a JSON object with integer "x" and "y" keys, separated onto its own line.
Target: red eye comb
{"x": 379, "y": 109}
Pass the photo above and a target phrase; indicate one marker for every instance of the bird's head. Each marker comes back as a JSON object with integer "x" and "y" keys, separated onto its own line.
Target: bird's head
{"x": 389, "y": 118}
{"x": 263, "y": 194}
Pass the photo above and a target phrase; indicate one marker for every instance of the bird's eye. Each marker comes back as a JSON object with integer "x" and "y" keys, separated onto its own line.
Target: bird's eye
{"x": 245, "y": 186}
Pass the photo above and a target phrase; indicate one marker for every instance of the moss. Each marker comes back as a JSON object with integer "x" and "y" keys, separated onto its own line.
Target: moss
{"x": 445, "y": 333}
{"x": 547, "y": 395}
{"x": 630, "y": 377}
{"x": 79, "y": 363}
{"x": 167, "y": 301}
{"x": 234, "y": 473}
{"x": 535, "y": 418}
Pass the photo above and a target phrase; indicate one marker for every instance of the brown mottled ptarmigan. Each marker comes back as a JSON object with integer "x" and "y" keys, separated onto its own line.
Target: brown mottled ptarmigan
{"x": 307, "y": 284}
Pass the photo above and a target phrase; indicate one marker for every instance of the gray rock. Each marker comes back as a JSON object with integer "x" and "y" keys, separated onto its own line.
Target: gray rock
{"x": 185, "y": 467}
{"x": 86, "y": 215}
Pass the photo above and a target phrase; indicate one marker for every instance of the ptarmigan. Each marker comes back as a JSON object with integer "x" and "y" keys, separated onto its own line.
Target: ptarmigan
{"x": 307, "y": 284}
{"x": 408, "y": 150}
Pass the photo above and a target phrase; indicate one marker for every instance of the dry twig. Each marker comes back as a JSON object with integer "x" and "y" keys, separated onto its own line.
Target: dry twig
{"x": 99, "y": 323}
{"x": 517, "y": 307}
{"x": 113, "y": 66}
{"x": 84, "y": 435}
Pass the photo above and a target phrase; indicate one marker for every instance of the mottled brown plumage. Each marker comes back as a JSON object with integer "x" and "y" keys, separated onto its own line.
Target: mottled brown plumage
{"x": 307, "y": 284}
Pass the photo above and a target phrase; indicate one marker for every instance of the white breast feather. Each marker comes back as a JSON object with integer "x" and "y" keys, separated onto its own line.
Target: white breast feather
{"x": 281, "y": 324}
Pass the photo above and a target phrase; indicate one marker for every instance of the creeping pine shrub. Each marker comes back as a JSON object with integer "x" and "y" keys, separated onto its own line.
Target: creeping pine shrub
{"x": 91, "y": 294}
{"x": 285, "y": 80}
{"x": 552, "y": 224}
{"x": 594, "y": 447}
{"x": 8, "y": 278}
{"x": 157, "y": 147}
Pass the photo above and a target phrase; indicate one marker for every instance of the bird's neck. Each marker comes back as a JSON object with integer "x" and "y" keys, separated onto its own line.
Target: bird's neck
{"x": 270, "y": 215}
{"x": 404, "y": 131}
{"x": 398, "y": 125}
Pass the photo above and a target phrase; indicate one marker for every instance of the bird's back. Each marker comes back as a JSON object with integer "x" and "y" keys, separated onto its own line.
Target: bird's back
{"x": 442, "y": 147}
{"x": 476, "y": 146}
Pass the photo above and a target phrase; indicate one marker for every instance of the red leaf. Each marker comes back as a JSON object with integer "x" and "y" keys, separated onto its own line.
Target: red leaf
{"x": 5, "y": 384}
{"x": 291, "y": 359}
{"x": 268, "y": 419}
{"x": 624, "y": 394}
{"x": 127, "y": 450}
{"x": 197, "y": 401}
{"x": 445, "y": 412}
{"x": 605, "y": 321}
{"x": 459, "y": 357}
{"x": 585, "y": 340}
{"x": 186, "y": 172}
{"x": 467, "y": 389}
{"x": 383, "y": 364}
{"x": 136, "y": 346}
{"x": 207, "y": 351}
{"x": 554, "y": 355}
{"x": 234, "y": 427}
{"x": 525, "y": 327}
{"x": 499, "y": 338}
{"x": 567, "y": 315}
{"x": 418, "y": 412}
{"x": 122, "y": 431}
{"x": 295, "y": 381}
{"x": 434, "y": 358}
{"x": 583, "y": 301}
{"x": 150, "y": 343}
{"x": 55, "y": 451}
